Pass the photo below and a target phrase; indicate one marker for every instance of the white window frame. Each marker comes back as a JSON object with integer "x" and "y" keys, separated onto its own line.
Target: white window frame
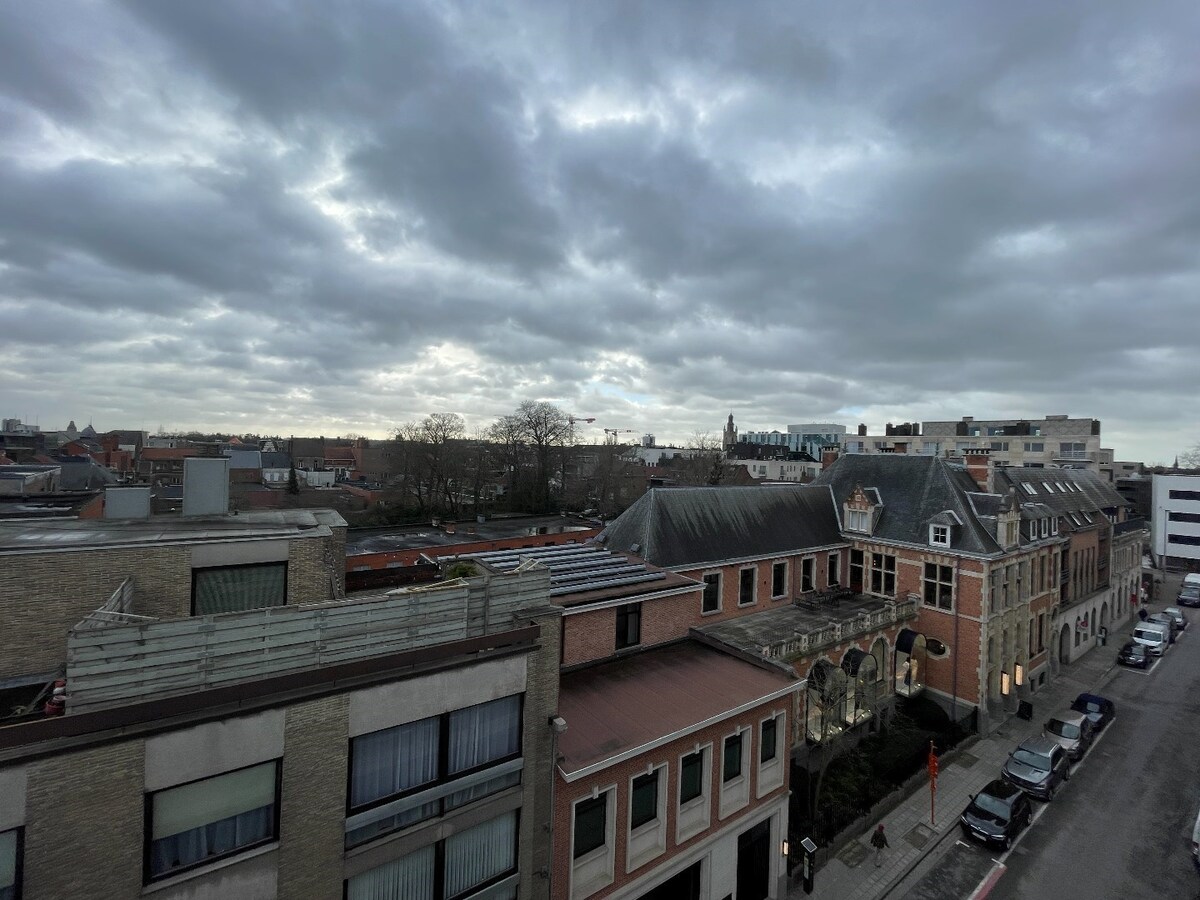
{"x": 735, "y": 793}
{"x": 833, "y": 565}
{"x": 594, "y": 870}
{"x": 648, "y": 840}
{"x": 693, "y": 816}
{"x": 1029, "y": 488}
{"x": 1045, "y": 527}
{"x": 1054, "y": 524}
{"x": 812, "y": 579}
{"x": 770, "y": 773}
{"x": 933, "y": 535}
{"x": 858, "y": 520}
{"x": 787, "y": 578}
{"x": 753, "y": 586}
{"x": 720, "y": 591}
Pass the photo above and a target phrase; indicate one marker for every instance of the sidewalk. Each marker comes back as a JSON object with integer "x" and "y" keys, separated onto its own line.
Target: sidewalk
{"x": 852, "y": 875}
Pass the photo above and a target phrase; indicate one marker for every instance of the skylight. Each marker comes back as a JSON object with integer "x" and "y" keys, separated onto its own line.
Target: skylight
{"x": 1029, "y": 488}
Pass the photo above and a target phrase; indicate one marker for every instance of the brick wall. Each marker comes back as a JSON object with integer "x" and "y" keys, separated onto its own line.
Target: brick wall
{"x": 539, "y": 743}
{"x": 313, "y": 804}
{"x": 592, "y": 635}
{"x": 566, "y": 793}
{"x": 83, "y": 831}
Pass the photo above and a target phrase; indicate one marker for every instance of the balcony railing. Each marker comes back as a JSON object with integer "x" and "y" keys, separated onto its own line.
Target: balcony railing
{"x": 1128, "y": 526}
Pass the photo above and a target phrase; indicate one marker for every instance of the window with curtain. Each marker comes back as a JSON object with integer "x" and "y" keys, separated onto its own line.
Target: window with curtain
{"x": 459, "y": 867}
{"x": 224, "y": 589}
{"x": 10, "y": 864}
{"x": 428, "y": 755}
{"x": 212, "y": 818}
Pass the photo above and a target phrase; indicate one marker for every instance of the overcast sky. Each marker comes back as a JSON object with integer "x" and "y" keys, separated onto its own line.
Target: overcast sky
{"x": 335, "y": 217}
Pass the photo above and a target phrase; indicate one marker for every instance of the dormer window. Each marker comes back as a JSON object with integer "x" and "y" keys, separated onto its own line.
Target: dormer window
{"x": 1054, "y": 526}
{"x": 1045, "y": 527}
{"x": 939, "y": 535}
{"x": 858, "y": 520}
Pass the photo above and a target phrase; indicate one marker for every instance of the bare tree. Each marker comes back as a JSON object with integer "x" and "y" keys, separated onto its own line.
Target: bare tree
{"x": 705, "y": 461}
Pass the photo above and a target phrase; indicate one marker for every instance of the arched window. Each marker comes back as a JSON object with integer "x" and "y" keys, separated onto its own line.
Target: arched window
{"x": 910, "y": 659}
{"x": 879, "y": 651}
{"x": 826, "y": 701}
{"x": 861, "y": 687}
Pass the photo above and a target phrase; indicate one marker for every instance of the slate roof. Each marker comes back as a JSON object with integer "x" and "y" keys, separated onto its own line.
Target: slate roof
{"x": 245, "y": 459}
{"x": 914, "y": 490}
{"x": 1093, "y": 494}
{"x": 690, "y": 526}
{"x": 273, "y": 460}
{"x": 82, "y": 473}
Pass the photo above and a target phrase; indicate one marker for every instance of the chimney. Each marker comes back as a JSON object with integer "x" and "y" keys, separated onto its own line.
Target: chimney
{"x": 828, "y": 457}
{"x": 979, "y": 467}
{"x": 862, "y": 430}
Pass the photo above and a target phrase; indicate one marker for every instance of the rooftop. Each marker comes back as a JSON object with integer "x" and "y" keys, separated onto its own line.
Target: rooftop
{"x": 23, "y": 536}
{"x": 420, "y": 537}
{"x": 626, "y": 706}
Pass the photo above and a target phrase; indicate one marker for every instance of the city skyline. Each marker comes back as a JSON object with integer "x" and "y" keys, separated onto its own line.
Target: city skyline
{"x": 340, "y": 219}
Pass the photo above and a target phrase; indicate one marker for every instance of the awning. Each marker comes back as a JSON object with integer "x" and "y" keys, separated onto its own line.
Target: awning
{"x": 905, "y": 640}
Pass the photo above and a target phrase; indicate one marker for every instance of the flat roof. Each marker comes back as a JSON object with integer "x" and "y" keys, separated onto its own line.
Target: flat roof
{"x": 629, "y": 705}
{"x": 751, "y": 633}
{"x": 40, "y": 535}
{"x": 420, "y": 537}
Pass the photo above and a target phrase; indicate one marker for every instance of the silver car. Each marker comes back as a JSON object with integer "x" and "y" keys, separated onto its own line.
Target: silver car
{"x": 1073, "y": 731}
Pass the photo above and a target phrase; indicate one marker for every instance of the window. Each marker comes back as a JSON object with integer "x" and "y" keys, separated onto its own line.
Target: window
{"x": 939, "y": 535}
{"x": 629, "y": 625}
{"x": 1035, "y": 447}
{"x": 211, "y": 819}
{"x": 807, "y": 581}
{"x": 769, "y": 739}
{"x": 1187, "y": 540}
{"x": 858, "y": 520}
{"x": 1183, "y": 517}
{"x": 591, "y": 824}
{"x": 883, "y": 574}
{"x": 831, "y": 573}
{"x": 223, "y": 589}
{"x": 731, "y": 760}
{"x": 10, "y": 864}
{"x": 445, "y": 759}
{"x": 779, "y": 579}
{"x": 643, "y": 801}
{"x": 746, "y": 579}
{"x": 691, "y": 777}
{"x": 455, "y": 867}
{"x": 1184, "y": 495}
{"x": 712, "y": 593}
{"x": 1045, "y": 527}
{"x": 1029, "y": 488}
{"x": 999, "y": 445}
{"x": 939, "y": 586}
{"x": 857, "y": 567}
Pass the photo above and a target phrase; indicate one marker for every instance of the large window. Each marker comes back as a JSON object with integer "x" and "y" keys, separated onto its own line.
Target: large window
{"x": 712, "y": 593}
{"x": 458, "y": 867}
{"x": 939, "y": 586}
{"x": 746, "y": 581}
{"x": 768, "y": 740}
{"x": 629, "y": 625}
{"x": 858, "y": 520}
{"x": 211, "y": 819}
{"x": 779, "y": 579}
{"x": 857, "y": 568}
{"x": 10, "y": 864}
{"x": 691, "y": 777}
{"x": 1184, "y": 495}
{"x": 831, "y": 574}
{"x": 883, "y": 574}
{"x": 591, "y": 824}
{"x": 223, "y": 589}
{"x": 447, "y": 759}
{"x": 643, "y": 801}
{"x": 808, "y": 581}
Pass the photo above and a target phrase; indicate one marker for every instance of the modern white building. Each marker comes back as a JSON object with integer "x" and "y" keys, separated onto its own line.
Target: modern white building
{"x": 1175, "y": 530}
{"x": 808, "y": 437}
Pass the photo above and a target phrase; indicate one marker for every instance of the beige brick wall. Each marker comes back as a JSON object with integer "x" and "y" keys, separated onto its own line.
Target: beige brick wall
{"x": 313, "y": 805}
{"x": 541, "y": 703}
{"x": 83, "y": 832}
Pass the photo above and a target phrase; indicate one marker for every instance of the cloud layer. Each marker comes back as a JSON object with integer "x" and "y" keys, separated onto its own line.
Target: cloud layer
{"x": 336, "y": 217}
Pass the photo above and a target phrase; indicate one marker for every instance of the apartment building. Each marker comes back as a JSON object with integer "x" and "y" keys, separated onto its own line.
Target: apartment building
{"x": 810, "y": 437}
{"x": 1176, "y": 522}
{"x": 265, "y": 736}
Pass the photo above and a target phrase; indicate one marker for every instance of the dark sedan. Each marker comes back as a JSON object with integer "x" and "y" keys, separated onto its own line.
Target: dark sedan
{"x": 1133, "y": 654}
{"x": 1099, "y": 709}
{"x": 1189, "y": 596}
{"x": 1176, "y": 613}
{"x": 996, "y": 814}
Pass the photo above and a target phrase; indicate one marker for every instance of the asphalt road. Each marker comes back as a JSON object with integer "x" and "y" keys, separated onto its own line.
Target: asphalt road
{"x": 1122, "y": 827}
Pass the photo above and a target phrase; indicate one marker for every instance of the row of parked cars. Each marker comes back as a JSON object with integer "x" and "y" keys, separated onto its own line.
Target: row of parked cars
{"x": 1151, "y": 637}
{"x": 1189, "y": 593}
{"x": 1038, "y": 767}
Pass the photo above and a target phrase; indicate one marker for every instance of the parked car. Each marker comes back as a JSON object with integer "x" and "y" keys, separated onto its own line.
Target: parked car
{"x": 1153, "y": 635}
{"x": 1072, "y": 731}
{"x": 1189, "y": 595}
{"x": 1168, "y": 622}
{"x": 1039, "y": 766}
{"x": 1181, "y": 622}
{"x": 996, "y": 814}
{"x": 1099, "y": 709}
{"x": 1196, "y": 843}
{"x": 1134, "y": 654}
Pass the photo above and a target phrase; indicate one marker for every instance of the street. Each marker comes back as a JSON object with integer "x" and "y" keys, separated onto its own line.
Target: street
{"x": 1122, "y": 826}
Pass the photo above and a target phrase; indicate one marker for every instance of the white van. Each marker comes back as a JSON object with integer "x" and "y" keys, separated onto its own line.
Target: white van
{"x": 1153, "y": 636}
{"x": 1192, "y": 578}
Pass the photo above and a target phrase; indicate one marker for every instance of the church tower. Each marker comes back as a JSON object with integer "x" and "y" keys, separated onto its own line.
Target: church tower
{"x": 729, "y": 437}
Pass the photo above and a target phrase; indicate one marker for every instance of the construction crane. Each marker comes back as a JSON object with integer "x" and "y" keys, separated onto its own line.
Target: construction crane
{"x": 573, "y": 419}
{"x": 615, "y": 431}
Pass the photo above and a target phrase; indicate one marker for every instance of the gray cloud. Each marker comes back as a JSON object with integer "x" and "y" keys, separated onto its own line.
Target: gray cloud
{"x": 341, "y": 216}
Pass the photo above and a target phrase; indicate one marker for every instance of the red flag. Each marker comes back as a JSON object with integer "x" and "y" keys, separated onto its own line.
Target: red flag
{"x": 933, "y": 763}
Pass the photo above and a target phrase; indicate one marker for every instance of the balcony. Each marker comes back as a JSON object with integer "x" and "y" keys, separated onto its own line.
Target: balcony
{"x": 1075, "y": 456}
{"x": 1129, "y": 526}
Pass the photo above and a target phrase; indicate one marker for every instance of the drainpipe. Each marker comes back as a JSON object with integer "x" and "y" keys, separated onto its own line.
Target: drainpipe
{"x": 954, "y": 655}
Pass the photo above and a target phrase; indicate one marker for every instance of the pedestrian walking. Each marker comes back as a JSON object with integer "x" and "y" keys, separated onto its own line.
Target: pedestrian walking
{"x": 879, "y": 842}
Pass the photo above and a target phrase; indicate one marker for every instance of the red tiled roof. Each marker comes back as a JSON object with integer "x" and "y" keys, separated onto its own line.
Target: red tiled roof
{"x": 625, "y": 706}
